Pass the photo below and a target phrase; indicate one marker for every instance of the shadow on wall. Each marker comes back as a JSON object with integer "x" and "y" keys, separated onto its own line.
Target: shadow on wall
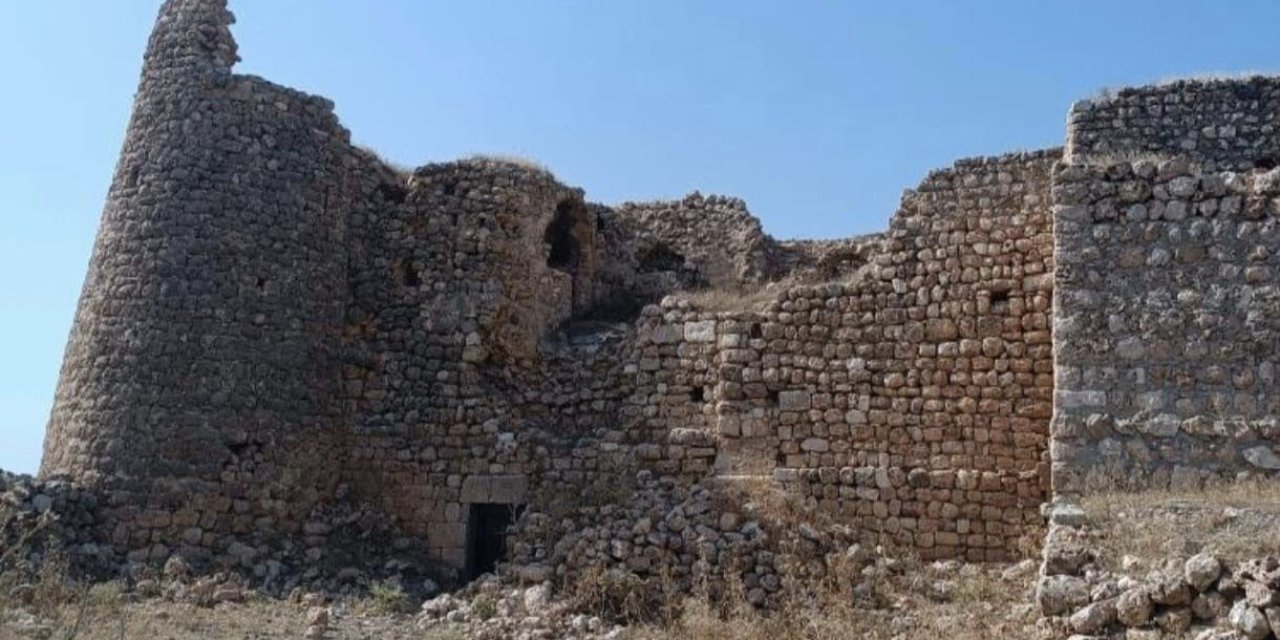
{"x": 571, "y": 240}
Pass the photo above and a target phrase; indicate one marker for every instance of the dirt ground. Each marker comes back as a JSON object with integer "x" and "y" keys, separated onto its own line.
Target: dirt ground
{"x": 945, "y": 599}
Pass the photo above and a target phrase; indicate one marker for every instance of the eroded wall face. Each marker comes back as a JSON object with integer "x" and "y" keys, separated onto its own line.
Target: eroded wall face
{"x": 912, "y": 400}
{"x": 1166, "y": 327}
{"x": 1165, "y": 236}
{"x": 715, "y": 235}
{"x": 460, "y": 273}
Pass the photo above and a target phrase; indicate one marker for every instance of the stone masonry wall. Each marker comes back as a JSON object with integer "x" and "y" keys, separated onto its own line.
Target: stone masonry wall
{"x": 274, "y": 322}
{"x": 1218, "y": 124}
{"x": 1166, "y": 329}
{"x": 715, "y": 234}
{"x": 1164, "y": 232}
{"x": 914, "y": 399}
{"x": 938, "y": 368}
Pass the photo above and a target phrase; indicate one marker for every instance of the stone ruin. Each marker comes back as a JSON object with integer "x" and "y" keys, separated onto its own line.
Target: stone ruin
{"x": 278, "y": 325}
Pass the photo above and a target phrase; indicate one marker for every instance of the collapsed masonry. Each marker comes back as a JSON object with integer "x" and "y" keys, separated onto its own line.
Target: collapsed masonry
{"x": 275, "y": 321}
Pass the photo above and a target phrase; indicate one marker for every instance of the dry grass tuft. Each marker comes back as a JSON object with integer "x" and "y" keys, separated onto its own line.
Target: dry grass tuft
{"x": 962, "y": 602}
{"x": 754, "y": 299}
{"x": 400, "y": 168}
{"x": 509, "y": 158}
{"x": 56, "y": 607}
{"x": 1235, "y": 521}
{"x": 622, "y": 596}
{"x": 389, "y": 598}
{"x": 1215, "y": 76}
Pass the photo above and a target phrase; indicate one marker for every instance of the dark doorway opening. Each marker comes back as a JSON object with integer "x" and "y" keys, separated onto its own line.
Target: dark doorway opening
{"x": 487, "y": 536}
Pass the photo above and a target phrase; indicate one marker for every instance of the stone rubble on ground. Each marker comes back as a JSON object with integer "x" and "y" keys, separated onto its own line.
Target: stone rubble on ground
{"x": 1200, "y": 594}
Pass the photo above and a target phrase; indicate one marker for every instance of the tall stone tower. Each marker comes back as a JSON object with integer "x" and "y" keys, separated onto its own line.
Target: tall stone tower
{"x": 204, "y": 356}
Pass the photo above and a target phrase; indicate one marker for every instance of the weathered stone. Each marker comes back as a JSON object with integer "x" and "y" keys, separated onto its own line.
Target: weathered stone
{"x": 1057, "y": 595}
{"x": 1202, "y": 570}
{"x": 703, "y": 331}
{"x": 1250, "y": 621}
{"x": 1263, "y": 457}
{"x": 794, "y": 401}
{"x": 1094, "y": 618}
{"x": 1134, "y": 608}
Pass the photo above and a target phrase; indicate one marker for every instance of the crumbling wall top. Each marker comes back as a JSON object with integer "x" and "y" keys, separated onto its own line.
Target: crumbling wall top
{"x": 1220, "y": 123}
{"x": 192, "y": 35}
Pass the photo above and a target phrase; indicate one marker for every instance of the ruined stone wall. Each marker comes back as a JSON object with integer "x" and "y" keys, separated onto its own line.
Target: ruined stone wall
{"x": 1165, "y": 326}
{"x": 453, "y": 294}
{"x": 811, "y": 261}
{"x": 275, "y": 321}
{"x": 916, "y": 399}
{"x": 201, "y": 384}
{"x": 1217, "y": 124}
{"x": 715, "y": 235}
{"x": 913, "y": 399}
{"x": 1164, "y": 230}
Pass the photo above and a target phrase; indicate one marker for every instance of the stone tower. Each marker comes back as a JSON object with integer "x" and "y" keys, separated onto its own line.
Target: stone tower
{"x": 203, "y": 358}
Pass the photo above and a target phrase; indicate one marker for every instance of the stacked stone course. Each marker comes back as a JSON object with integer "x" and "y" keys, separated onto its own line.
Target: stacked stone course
{"x": 1218, "y": 124}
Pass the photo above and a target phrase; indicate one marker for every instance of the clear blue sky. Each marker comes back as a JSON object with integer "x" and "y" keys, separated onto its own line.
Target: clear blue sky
{"x": 818, "y": 113}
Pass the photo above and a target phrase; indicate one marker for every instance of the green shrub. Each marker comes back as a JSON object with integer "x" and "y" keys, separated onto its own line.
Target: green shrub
{"x": 483, "y": 607}
{"x": 389, "y": 597}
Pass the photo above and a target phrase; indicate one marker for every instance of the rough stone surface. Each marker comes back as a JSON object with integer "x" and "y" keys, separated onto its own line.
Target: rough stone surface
{"x": 1061, "y": 594}
{"x": 1202, "y": 570}
{"x": 1196, "y": 292}
{"x": 282, "y": 341}
{"x": 1250, "y": 621}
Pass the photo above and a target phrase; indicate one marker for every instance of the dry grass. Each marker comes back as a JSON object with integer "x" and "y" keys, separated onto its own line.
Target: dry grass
{"x": 388, "y": 597}
{"x": 1214, "y": 76}
{"x": 752, "y": 299}
{"x": 508, "y": 158}
{"x": 844, "y": 597}
{"x": 47, "y": 604}
{"x": 964, "y": 602}
{"x": 400, "y": 168}
{"x": 121, "y": 620}
{"x": 107, "y": 612}
{"x": 1235, "y": 521}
